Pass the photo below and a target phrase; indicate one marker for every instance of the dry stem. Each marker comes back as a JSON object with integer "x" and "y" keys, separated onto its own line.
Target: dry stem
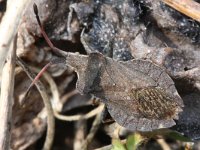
{"x": 187, "y": 7}
{"x": 47, "y": 103}
{"x": 80, "y": 131}
{"x": 9, "y": 26}
{"x": 92, "y": 113}
{"x": 6, "y": 100}
{"x": 93, "y": 130}
{"x": 163, "y": 144}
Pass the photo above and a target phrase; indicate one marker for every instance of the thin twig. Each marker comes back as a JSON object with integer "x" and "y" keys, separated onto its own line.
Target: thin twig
{"x": 92, "y": 113}
{"x": 80, "y": 131}
{"x": 9, "y": 26}
{"x": 6, "y": 100}
{"x": 188, "y": 7}
{"x": 85, "y": 45}
{"x": 163, "y": 144}
{"x": 47, "y": 103}
{"x": 69, "y": 20}
{"x": 66, "y": 97}
{"x": 95, "y": 125}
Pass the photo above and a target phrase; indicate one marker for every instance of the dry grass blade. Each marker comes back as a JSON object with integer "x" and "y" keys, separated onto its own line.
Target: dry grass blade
{"x": 80, "y": 132}
{"x": 163, "y": 144}
{"x": 9, "y": 26}
{"x": 6, "y": 100}
{"x": 188, "y": 7}
{"x": 93, "y": 130}
{"x": 47, "y": 103}
{"x": 66, "y": 97}
{"x": 92, "y": 113}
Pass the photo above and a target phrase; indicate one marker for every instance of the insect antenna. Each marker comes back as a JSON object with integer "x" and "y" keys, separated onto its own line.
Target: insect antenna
{"x": 56, "y": 50}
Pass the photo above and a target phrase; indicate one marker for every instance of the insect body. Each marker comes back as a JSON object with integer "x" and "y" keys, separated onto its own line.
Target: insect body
{"x": 139, "y": 95}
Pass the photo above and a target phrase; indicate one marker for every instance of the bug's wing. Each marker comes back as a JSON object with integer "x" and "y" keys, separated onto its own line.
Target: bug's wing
{"x": 156, "y": 73}
{"x": 150, "y": 108}
{"x": 135, "y": 123}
